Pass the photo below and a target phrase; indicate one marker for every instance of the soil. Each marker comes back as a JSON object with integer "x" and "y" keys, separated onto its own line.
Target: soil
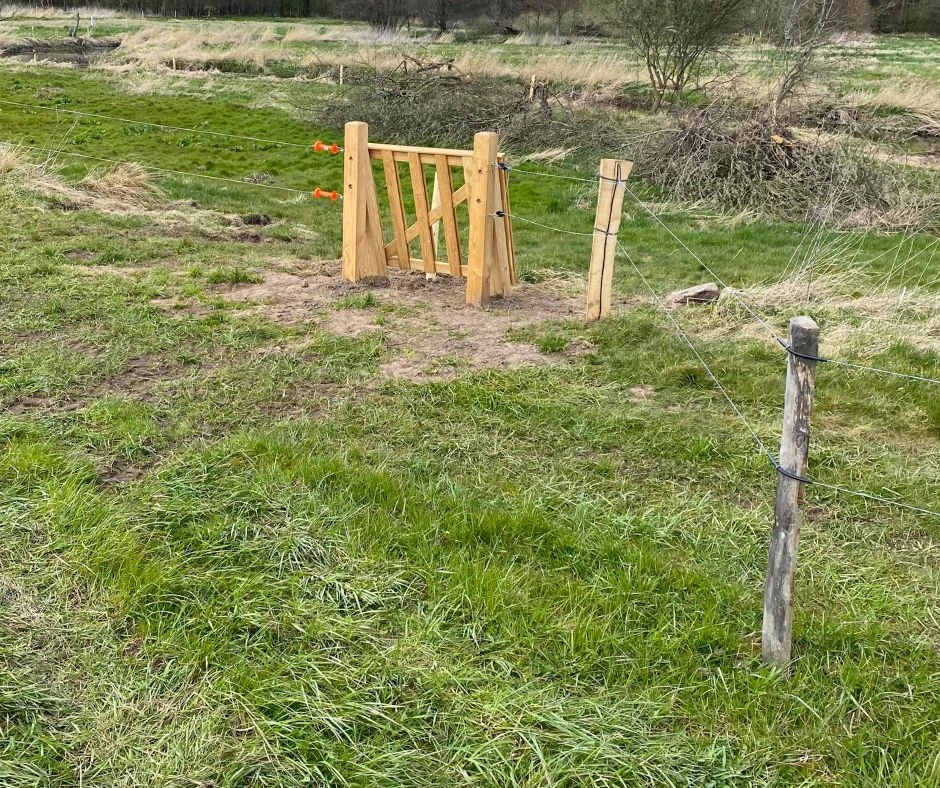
{"x": 429, "y": 330}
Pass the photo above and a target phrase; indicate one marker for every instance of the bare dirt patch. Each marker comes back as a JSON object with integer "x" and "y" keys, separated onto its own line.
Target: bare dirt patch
{"x": 429, "y": 329}
{"x": 139, "y": 381}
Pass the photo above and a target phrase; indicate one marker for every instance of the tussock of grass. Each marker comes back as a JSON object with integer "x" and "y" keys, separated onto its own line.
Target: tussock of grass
{"x": 357, "y": 301}
{"x": 914, "y": 96}
{"x": 13, "y": 160}
{"x": 233, "y": 276}
{"x": 128, "y": 183}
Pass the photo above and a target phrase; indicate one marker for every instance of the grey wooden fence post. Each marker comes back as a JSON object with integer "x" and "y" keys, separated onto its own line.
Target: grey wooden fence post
{"x": 777, "y": 632}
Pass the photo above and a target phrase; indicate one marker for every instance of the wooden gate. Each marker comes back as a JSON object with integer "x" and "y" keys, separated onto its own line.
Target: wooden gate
{"x": 489, "y": 265}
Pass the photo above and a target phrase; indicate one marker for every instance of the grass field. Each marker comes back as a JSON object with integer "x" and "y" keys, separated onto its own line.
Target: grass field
{"x": 261, "y": 527}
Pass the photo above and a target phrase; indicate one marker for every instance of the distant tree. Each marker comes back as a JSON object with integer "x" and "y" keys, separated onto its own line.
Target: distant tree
{"x": 557, "y": 10}
{"x": 384, "y": 14}
{"x": 675, "y": 37}
{"x": 799, "y": 30}
{"x": 441, "y": 14}
{"x": 907, "y": 16}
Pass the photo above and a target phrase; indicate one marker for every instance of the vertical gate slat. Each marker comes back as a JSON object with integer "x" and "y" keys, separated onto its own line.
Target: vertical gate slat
{"x": 397, "y": 209}
{"x": 420, "y": 189}
{"x": 449, "y": 215}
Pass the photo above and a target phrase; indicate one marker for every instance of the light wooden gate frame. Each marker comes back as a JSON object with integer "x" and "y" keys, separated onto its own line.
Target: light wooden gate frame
{"x": 490, "y": 263}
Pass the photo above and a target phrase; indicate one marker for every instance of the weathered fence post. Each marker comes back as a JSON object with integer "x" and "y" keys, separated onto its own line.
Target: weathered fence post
{"x": 363, "y": 246}
{"x": 613, "y": 176}
{"x": 777, "y": 631}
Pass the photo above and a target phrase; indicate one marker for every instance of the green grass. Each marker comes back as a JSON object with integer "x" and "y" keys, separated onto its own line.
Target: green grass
{"x": 234, "y": 553}
{"x": 357, "y": 301}
{"x": 233, "y": 276}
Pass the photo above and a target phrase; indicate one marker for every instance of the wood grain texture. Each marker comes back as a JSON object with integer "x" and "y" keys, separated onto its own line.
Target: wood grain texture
{"x": 481, "y": 174}
{"x": 777, "y": 630}
{"x": 398, "y": 249}
{"x": 363, "y": 247}
{"x": 422, "y": 209}
{"x": 607, "y": 225}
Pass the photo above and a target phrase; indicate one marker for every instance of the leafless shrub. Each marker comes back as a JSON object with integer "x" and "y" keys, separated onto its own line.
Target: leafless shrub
{"x": 675, "y": 39}
{"x": 801, "y": 28}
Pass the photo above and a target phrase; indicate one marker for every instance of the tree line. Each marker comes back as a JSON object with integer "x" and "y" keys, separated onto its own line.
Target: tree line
{"x": 563, "y": 17}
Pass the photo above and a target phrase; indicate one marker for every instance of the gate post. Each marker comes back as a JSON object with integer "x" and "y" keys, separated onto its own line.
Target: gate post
{"x": 482, "y": 188}
{"x": 363, "y": 248}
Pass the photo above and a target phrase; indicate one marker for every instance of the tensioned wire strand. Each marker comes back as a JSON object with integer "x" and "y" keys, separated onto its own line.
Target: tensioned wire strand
{"x": 163, "y": 170}
{"x": 737, "y": 411}
{"x": 753, "y": 313}
{"x": 731, "y": 403}
{"x": 116, "y": 119}
{"x": 780, "y": 340}
{"x": 511, "y": 168}
{"x": 750, "y": 310}
{"x": 503, "y": 214}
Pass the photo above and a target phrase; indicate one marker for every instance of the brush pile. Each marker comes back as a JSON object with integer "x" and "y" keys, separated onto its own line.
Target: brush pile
{"x": 744, "y": 164}
{"x": 434, "y": 103}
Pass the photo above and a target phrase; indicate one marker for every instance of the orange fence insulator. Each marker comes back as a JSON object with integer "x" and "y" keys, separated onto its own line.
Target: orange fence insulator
{"x": 322, "y": 147}
{"x": 322, "y": 194}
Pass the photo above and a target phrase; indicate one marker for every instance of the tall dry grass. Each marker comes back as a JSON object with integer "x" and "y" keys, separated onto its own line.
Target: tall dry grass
{"x": 573, "y": 67}
{"x": 361, "y": 34}
{"x": 155, "y": 47}
{"x": 13, "y": 160}
{"x": 118, "y": 189}
{"x": 917, "y": 96}
{"x": 34, "y": 12}
{"x": 126, "y": 183}
{"x": 259, "y": 43}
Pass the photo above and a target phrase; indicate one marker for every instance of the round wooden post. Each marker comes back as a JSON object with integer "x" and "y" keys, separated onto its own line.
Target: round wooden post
{"x": 613, "y": 176}
{"x": 777, "y": 631}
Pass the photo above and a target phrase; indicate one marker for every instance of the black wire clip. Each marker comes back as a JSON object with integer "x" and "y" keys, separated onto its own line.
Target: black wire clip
{"x": 784, "y": 472}
{"x": 806, "y": 356}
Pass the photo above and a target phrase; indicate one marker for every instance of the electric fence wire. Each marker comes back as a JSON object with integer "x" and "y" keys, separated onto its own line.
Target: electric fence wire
{"x": 132, "y": 122}
{"x": 724, "y": 392}
{"x": 512, "y": 168}
{"x": 780, "y": 340}
{"x": 53, "y": 153}
{"x": 734, "y": 293}
{"x": 739, "y": 413}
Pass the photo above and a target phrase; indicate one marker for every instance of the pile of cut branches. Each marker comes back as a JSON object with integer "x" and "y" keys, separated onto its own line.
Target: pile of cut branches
{"x": 432, "y": 103}
{"x": 742, "y": 163}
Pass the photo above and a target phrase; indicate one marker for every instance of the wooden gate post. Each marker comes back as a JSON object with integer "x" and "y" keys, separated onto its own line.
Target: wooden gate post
{"x": 483, "y": 184}
{"x": 363, "y": 247}
{"x": 777, "y": 631}
{"x": 613, "y": 175}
